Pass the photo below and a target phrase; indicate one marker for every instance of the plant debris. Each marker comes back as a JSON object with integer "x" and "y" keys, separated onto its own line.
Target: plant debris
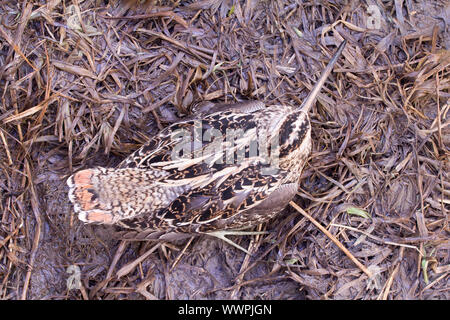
{"x": 87, "y": 82}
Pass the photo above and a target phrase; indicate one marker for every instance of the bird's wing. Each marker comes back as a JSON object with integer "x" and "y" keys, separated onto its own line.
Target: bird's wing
{"x": 187, "y": 138}
{"x": 219, "y": 195}
{"x": 214, "y": 115}
{"x": 214, "y": 186}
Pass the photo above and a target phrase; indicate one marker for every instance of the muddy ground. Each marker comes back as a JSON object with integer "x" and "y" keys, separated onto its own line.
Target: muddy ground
{"x": 85, "y": 83}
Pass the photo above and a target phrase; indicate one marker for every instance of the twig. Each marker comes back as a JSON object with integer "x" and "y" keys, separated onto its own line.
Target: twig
{"x": 336, "y": 241}
{"x": 387, "y": 287}
{"x": 37, "y": 232}
{"x": 130, "y": 266}
{"x": 375, "y": 238}
{"x": 177, "y": 259}
{"x": 240, "y": 277}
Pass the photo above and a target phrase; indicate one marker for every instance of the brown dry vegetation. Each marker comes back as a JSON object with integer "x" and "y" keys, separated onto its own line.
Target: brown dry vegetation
{"x": 86, "y": 82}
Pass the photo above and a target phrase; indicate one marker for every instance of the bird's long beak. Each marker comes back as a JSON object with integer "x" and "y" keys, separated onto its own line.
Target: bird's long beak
{"x": 307, "y": 104}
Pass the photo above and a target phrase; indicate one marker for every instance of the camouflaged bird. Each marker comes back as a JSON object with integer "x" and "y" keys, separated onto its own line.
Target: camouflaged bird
{"x": 156, "y": 188}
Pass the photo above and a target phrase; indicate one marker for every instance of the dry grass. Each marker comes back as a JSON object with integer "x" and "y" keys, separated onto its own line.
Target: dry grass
{"x": 85, "y": 83}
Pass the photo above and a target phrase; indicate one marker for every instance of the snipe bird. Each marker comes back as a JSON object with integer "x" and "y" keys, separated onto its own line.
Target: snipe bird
{"x": 213, "y": 185}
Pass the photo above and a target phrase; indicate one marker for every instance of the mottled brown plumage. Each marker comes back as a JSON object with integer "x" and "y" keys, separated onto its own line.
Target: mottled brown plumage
{"x": 228, "y": 167}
